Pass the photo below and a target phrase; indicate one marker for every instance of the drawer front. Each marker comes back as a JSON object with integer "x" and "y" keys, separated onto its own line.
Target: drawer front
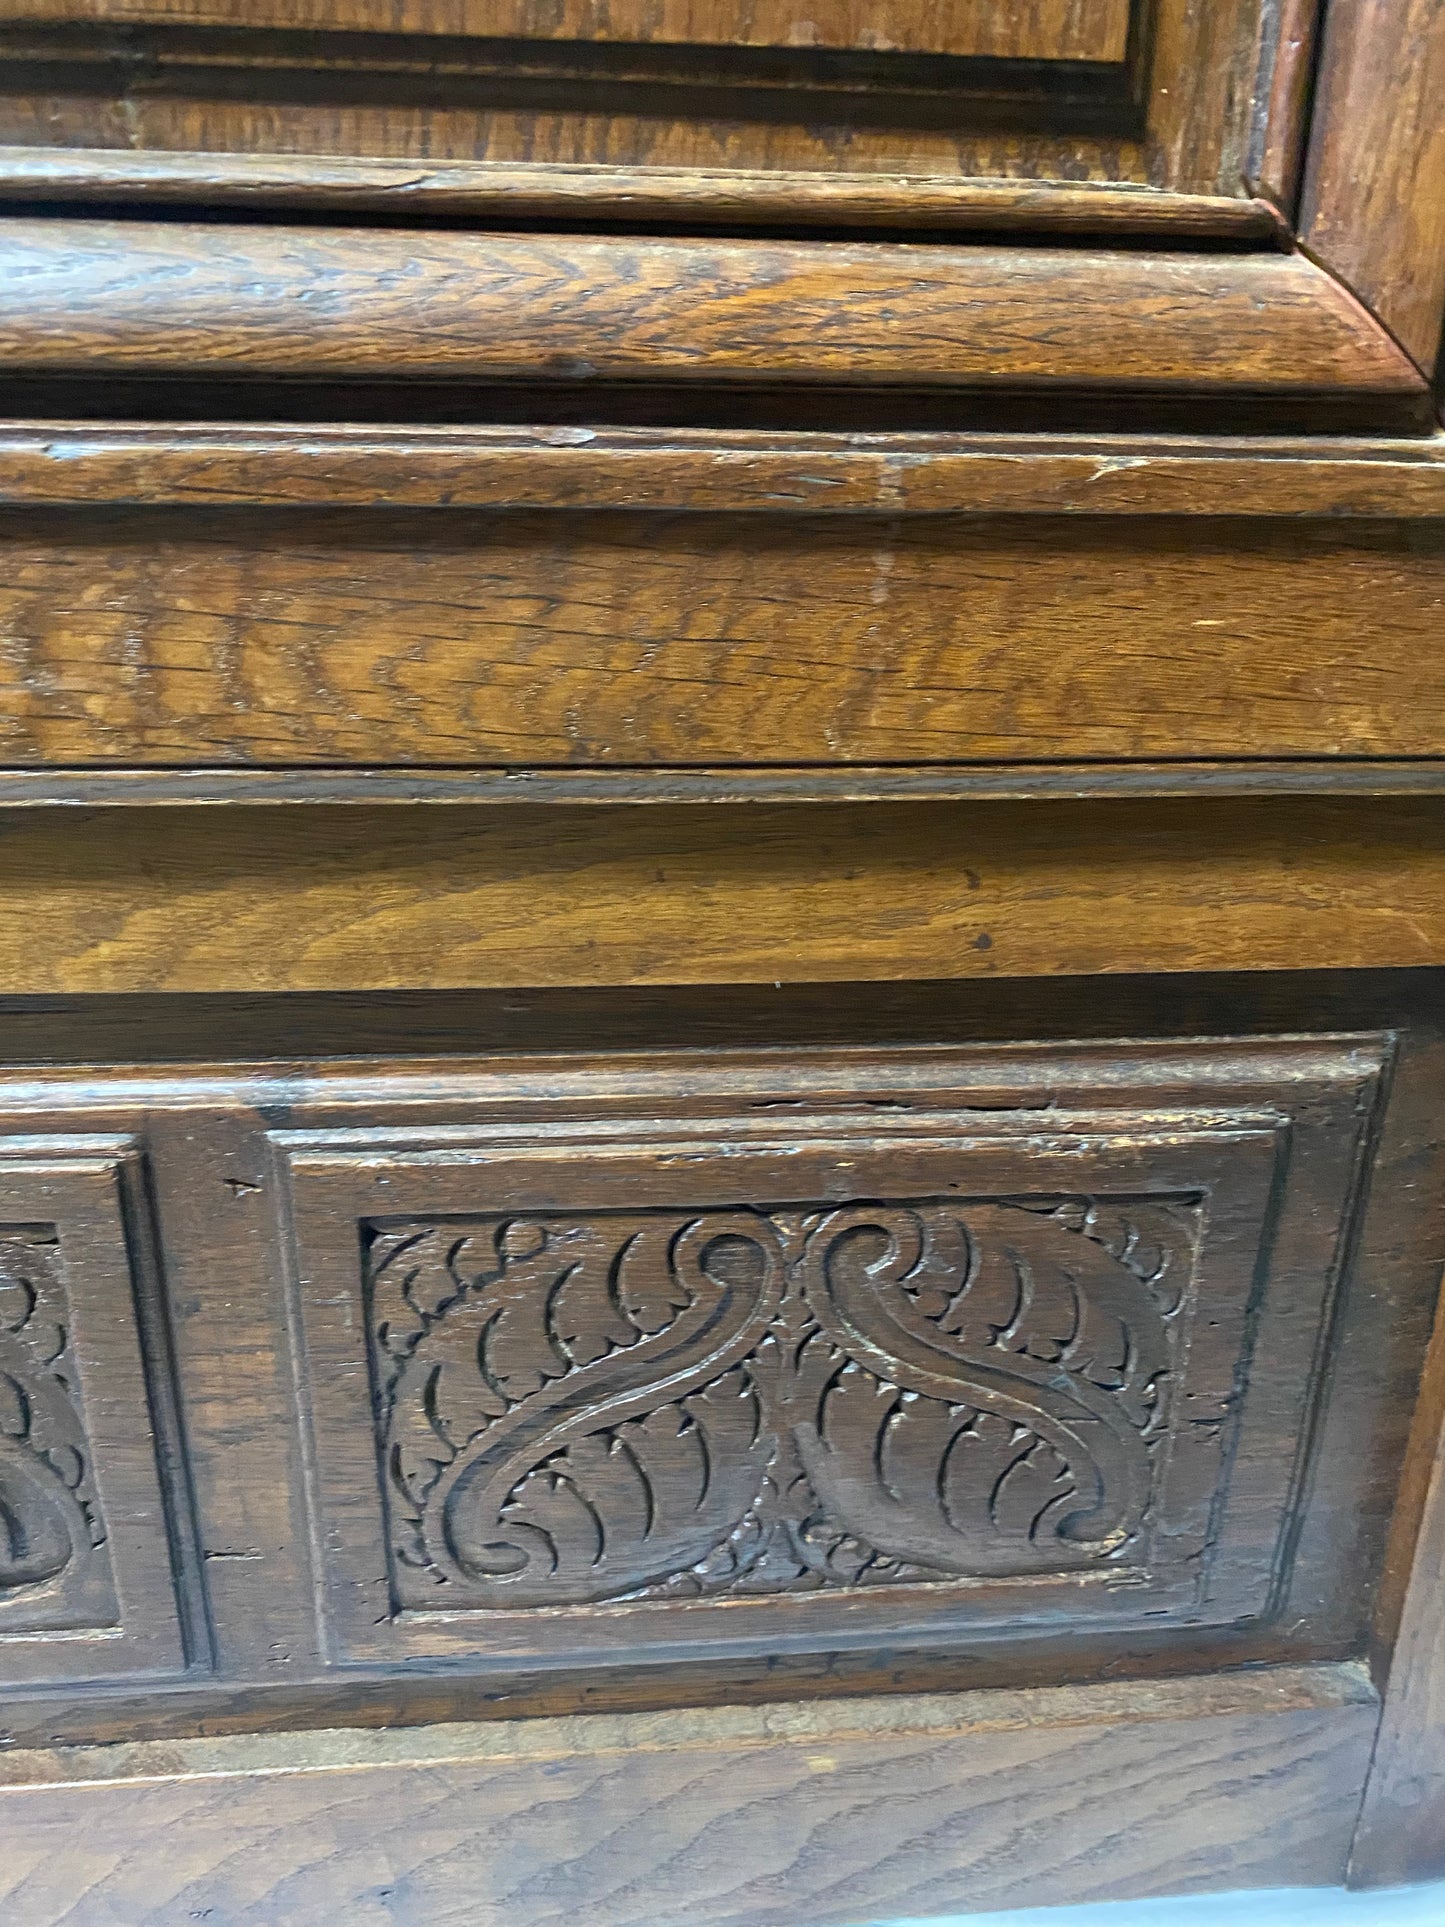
{"x": 513, "y": 638}
{"x": 591, "y": 1378}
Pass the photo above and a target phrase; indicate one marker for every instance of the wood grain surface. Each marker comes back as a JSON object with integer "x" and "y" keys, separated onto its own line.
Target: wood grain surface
{"x": 82, "y": 463}
{"x": 350, "y": 899}
{"x": 162, "y": 297}
{"x": 1401, "y": 1832}
{"x": 1374, "y": 201}
{"x": 1290, "y": 32}
{"x": 734, "y": 1818}
{"x": 188, "y": 635}
{"x": 1093, "y": 30}
{"x": 1178, "y": 115}
{"x": 517, "y": 190}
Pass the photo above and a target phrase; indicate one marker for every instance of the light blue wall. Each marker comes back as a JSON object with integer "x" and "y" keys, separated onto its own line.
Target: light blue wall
{"x": 1300, "y": 1907}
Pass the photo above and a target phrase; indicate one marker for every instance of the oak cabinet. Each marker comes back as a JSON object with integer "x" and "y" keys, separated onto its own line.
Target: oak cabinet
{"x": 721, "y": 957}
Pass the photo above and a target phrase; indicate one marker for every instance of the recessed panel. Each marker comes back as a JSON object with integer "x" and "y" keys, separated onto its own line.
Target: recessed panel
{"x": 671, "y": 1382}
{"x": 1041, "y": 30}
{"x": 86, "y": 1580}
{"x": 730, "y": 107}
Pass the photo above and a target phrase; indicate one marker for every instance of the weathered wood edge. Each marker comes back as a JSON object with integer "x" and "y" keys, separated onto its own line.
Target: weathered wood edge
{"x": 1373, "y": 202}
{"x": 182, "y": 298}
{"x": 1401, "y": 1832}
{"x": 85, "y": 464}
{"x": 516, "y": 190}
{"x": 61, "y": 788}
{"x": 731, "y": 1818}
{"x": 1289, "y": 32}
{"x": 810, "y": 1723}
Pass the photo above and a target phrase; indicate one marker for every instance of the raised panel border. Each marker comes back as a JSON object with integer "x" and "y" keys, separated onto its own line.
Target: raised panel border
{"x": 337, "y": 1175}
{"x": 1170, "y": 120}
{"x": 329, "y": 1176}
{"x": 523, "y": 191}
{"x": 178, "y": 298}
{"x": 90, "y": 1188}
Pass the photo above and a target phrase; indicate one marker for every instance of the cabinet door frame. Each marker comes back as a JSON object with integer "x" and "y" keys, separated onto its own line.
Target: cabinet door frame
{"x": 1324, "y": 275}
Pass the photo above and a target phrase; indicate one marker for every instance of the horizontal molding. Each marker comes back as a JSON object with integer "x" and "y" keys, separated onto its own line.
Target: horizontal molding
{"x": 892, "y": 1805}
{"x": 531, "y": 899}
{"x": 717, "y": 196}
{"x": 603, "y": 788}
{"x": 276, "y": 465}
{"x": 214, "y": 633}
{"x": 224, "y": 300}
{"x": 779, "y": 1726}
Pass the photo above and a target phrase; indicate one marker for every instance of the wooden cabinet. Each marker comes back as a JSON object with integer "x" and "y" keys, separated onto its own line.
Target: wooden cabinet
{"x": 1163, "y": 96}
{"x": 722, "y": 1063}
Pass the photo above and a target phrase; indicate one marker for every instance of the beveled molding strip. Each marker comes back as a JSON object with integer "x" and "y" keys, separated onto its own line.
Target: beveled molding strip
{"x": 271, "y": 465}
{"x": 201, "y": 299}
{"x": 62, "y": 788}
{"x": 523, "y": 191}
{"x": 1326, "y": 1688}
{"x": 465, "y": 1818}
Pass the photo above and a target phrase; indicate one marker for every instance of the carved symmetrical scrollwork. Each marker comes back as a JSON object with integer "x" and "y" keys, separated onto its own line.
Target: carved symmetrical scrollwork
{"x": 574, "y": 1408}
{"x": 50, "y": 1525}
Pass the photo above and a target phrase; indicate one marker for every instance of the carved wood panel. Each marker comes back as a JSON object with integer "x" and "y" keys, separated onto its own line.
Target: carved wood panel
{"x": 86, "y": 1587}
{"x": 585, "y": 1379}
{"x": 673, "y": 1372}
{"x": 54, "y": 1560}
{"x": 682, "y": 1404}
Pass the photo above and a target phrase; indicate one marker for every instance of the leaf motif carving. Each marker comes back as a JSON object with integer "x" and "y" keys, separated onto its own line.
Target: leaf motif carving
{"x": 857, "y": 1271}
{"x": 928, "y": 1482}
{"x": 616, "y": 1509}
{"x": 42, "y": 1526}
{"x": 49, "y": 1520}
{"x": 621, "y": 1405}
{"x": 571, "y": 1329}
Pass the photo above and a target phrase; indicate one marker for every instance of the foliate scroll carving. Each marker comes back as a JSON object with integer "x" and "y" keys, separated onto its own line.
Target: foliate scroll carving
{"x": 576, "y": 1408}
{"x": 51, "y": 1532}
